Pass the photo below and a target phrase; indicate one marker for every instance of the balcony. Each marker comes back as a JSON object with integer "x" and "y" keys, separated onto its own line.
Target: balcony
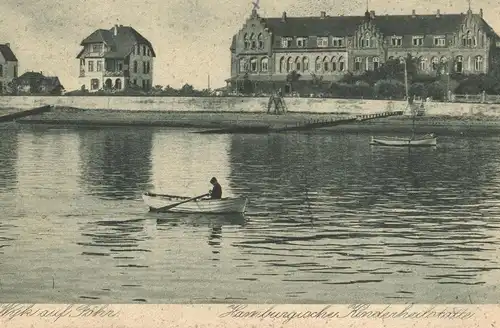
{"x": 114, "y": 73}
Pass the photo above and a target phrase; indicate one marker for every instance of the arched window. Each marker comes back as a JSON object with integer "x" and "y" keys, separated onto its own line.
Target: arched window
{"x": 118, "y": 84}
{"x": 317, "y": 66}
{"x": 108, "y": 84}
{"x": 444, "y": 59}
{"x": 135, "y": 66}
{"x": 357, "y": 64}
{"x": 253, "y": 64}
{"x": 245, "y": 40}
{"x": 422, "y": 63}
{"x": 325, "y": 64}
{"x": 289, "y": 64}
{"x": 298, "y": 63}
{"x": 434, "y": 63}
{"x": 260, "y": 41}
{"x": 341, "y": 64}
{"x": 478, "y": 63}
{"x": 253, "y": 42}
{"x": 264, "y": 62}
{"x": 282, "y": 65}
{"x": 305, "y": 63}
{"x": 467, "y": 39}
{"x": 376, "y": 63}
{"x": 334, "y": 63}
{"x": 243, "y": 65}
{"x": 459, "y": 66}
{"x": 367, "y": 40}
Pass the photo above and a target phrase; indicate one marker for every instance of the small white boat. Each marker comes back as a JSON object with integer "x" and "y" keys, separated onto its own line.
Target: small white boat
{"x": 425, "y": 141}
{"x": 203, "y": 205}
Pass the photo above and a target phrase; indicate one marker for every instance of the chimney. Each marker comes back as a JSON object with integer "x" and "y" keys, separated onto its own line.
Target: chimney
{"x": 283, "y": 17}
{"x": 323, "y": 14}
{"x": 438, "y": 13}
{"x": 413, "y": 13}
{"x": 372, "y": 14}
{"x": 481, "y": 12}
{"x": 115, "y": 30}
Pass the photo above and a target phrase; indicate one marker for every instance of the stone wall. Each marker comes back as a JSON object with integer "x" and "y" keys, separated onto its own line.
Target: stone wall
{"x": 245, "y": 104}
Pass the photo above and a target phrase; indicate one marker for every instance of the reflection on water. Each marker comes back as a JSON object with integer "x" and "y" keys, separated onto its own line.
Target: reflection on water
{"x": 330, "y": 219}
{"x": 116, "y": 163}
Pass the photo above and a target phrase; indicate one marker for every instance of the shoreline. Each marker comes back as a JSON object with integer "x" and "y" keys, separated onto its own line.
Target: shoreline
{"x": 256, "y": 122}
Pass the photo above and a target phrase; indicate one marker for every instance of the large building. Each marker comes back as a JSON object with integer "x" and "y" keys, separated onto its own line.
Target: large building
{"x": 115, "y": 59}
{"x": 268, "y": 49}
{"x": 8, "y": 66}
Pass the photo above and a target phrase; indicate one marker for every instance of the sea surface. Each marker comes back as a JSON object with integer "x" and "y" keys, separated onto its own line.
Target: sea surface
{"x": 330, "y": 219}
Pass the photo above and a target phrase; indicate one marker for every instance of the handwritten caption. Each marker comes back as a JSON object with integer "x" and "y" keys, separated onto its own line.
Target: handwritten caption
{"x": 11, "y": 311}
{"x": 354, "y": 311}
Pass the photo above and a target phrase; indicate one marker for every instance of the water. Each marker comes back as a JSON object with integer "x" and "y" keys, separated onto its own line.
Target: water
{"x": 330, "y": 219}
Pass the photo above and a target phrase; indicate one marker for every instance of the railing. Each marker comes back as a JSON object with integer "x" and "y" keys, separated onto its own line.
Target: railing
{"x": 477, "y": 98}
{"x": 114, "y": 73}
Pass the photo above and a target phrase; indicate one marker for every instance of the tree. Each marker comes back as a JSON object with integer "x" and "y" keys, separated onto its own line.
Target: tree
{"x": 292, "y": 78}
{"x": 187, "y": 90}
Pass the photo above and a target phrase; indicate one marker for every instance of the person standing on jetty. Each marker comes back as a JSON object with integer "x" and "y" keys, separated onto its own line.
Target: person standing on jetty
{"x": 216, "y": 192}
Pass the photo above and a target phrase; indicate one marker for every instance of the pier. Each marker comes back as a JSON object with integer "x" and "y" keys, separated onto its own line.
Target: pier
{"x": 24, "y": 113}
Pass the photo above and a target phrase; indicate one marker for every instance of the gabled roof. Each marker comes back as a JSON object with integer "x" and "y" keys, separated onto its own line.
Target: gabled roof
{"x": 7, "y": 53}
{"x": 387, "y": 24}
{"x": 121, "y": 44}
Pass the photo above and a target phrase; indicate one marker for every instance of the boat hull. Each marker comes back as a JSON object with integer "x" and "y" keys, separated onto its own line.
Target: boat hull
{"x": 215, "y": 206}
{"x": 404, "y": 142}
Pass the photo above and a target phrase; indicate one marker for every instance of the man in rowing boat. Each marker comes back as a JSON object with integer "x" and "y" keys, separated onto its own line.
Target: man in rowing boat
{"x": 216, "y": 192}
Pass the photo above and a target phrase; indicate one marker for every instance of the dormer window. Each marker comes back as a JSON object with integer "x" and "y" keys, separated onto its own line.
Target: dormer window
{"x": 439, "y": 41}
{"x": 397, "y": 41}
{"x": 338, "y": 42}
{"x": 418, "y": 41}
{"x": 322, "y": 42}
{"x": 253, "y": 42}
{"x": 97, "y": 47}
{"x": 286, "y": 42}
{"x": 301, "y": 42}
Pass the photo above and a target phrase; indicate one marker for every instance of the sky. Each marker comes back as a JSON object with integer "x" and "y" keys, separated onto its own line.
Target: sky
{"x": 191, "y": 38}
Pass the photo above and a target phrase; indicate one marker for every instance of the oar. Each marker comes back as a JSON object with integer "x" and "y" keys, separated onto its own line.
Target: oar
{"x": 177, "y": 204}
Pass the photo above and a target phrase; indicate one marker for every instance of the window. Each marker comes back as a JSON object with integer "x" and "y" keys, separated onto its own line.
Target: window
{"x": 144, "y": 67}
{"x": 467, "y": 40}
{"x": 133, "y": 50}
{"x": 365, "y": 41}
{"x": 282, "y": 65}
{"x": 246, "y": 42}
{"x": 91, "y": 66}
{"x": 305, "y": 63}
{"x": 418, "y": 41}
{"x": 135, "y": 66}
{"x": 357, "y": 64}
{"x": 285, "y": 42}
{"x": 97, "y": 47}
{"x": 435, "y": 63}
{"x": 1, "y": 70}
{"x": 301, "y": 42}
{"x": 243, "y": 65}
{"x": 149, "y": 52}
{"x": 459, "y": 64}
{"x": 118, "y": 84}
{"x": 334, "y": 64}
{"x": 478, "y": 63}
{"x": 341, "y": 64}
{"x": 120, "y": 66}
{"x": 99, "y": 66}
{"x": 298, "y": 64}
{"x": 440, "y": 41}
{"x": 94, "y": 84}
{"x": 144, "y": 84}
{"x": 253, "y": 65}
{"x": 261, "y": 41}
{"x": 289, "y": 64}
{"x": 144, "y": 50}
{"x": 317, "y": 66}
{"x": 422, "y": 63}
{"x": 253, "y": 42}
{"x": 337, "y": 42}
{"x": 396, "y": 41}
{"x": 322, "y": 42}
{"x": 135, "y": 81}
{"x": 149, "y": 68}
{"x": 264, "y": 64}
{"x": 376, "y": 63}
{"x": 15, "y": 70}
{"x": 1, "y": 87}
{"x": 325, "y": 64}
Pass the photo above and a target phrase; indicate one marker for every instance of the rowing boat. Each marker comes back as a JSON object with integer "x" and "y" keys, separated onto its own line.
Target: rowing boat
{"x": 225, "y": 205}
{"x": 426, "y": 141}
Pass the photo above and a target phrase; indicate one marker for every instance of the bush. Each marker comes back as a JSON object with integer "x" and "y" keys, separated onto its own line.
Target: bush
{"x": 437, "y": 90}
{"x": 418, "y": 89}
{"x": 389, "y": 89}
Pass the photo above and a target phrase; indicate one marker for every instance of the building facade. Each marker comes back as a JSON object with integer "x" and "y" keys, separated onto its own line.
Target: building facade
{"x": 268, "y": 49}
{"x": 116, "y": 59}
{"x": 8, "y": 67}
{"x": 37, "y": 83}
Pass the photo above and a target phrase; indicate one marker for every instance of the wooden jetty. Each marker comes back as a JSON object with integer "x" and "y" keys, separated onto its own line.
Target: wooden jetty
{"x": 23, "y": 113}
